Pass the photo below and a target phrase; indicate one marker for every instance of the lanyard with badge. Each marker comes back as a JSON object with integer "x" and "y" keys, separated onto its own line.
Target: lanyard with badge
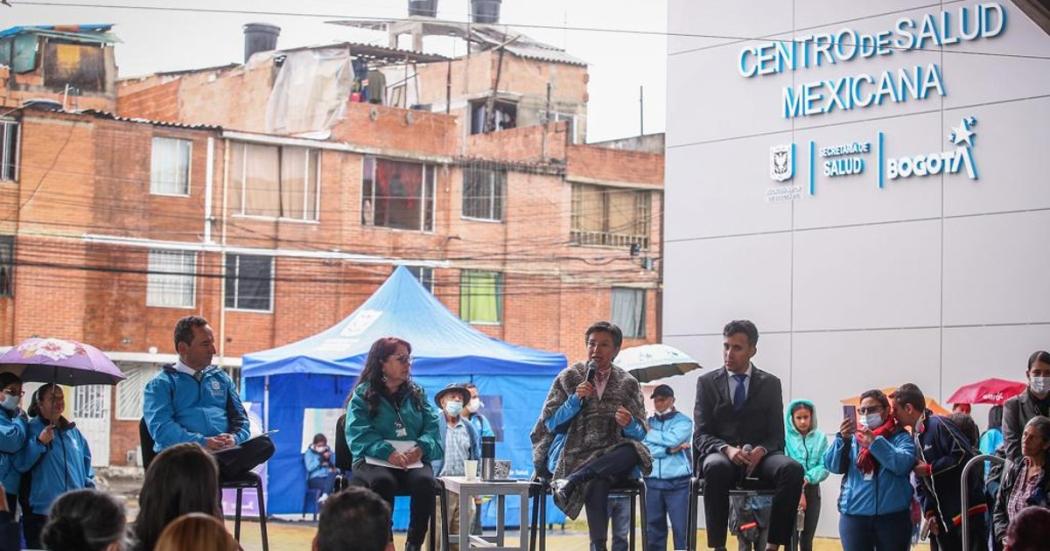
{"x": 400, "y": 430}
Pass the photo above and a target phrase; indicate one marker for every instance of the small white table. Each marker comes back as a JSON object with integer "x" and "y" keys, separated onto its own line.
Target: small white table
{"x": 501, "y": 489}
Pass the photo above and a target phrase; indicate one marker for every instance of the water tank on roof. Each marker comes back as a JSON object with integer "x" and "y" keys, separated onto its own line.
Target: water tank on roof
{"x": 259, "y": 37}
{"x": 423, "y": 8}
{"x": 485, "y": 11}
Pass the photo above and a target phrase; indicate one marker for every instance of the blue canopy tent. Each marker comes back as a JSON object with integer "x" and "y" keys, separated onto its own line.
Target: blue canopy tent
{"x": 319, "y": 371}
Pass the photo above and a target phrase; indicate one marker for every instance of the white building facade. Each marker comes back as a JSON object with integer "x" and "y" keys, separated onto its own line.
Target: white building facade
{"x": 868, "y": 183}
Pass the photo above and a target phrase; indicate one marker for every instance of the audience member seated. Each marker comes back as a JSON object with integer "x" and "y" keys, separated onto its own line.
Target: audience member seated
{"x": 589, "y": 434}
{"x": 320, "y": 466}
{"x": 85, "y": 520}
{"x": 1026, "y": 483}
{"x": 386, "y": 406}
{"x": 876, "y": 461}
{"x": 56, "y": 459}
{"x": 1029, "y": 530}
{"x": 194, "y": 401}
{"x": 181, "y": 479}
{"x": 196, "y": 531}
{"x": 739, "y": 432}
{"x": 354, "y": 519}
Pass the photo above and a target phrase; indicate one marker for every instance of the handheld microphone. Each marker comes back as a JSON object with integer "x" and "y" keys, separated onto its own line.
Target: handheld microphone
{"x": 743, "y": 474}
{"x": 592, "y": 367}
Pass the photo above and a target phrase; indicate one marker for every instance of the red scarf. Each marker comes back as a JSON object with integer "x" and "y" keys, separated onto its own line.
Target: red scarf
{"x": 865, "y": 461}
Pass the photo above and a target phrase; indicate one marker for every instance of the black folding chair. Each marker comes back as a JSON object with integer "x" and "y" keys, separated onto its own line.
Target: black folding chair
{"x": 634, "y": 488}
{"x": 248, "y": 481}
{"x": 696, "y": 491}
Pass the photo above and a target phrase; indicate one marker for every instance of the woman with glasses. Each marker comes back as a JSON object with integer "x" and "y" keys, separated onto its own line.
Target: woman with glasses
{"x": 876, "y": 455}
{"x": 393, "y": 434}
{"x": 12, "y": 439}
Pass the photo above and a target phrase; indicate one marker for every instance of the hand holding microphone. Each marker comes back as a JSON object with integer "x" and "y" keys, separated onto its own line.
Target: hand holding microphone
{"x": 586, "y": 389}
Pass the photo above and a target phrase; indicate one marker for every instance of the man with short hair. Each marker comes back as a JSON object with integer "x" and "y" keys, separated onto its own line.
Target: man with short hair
{"x": 739, "y": 431}
{"x": 667, "y": 488}
{"x": 194, "y": 401}
{"x": 354, "y": 519}
{"x": 943, "y": 450}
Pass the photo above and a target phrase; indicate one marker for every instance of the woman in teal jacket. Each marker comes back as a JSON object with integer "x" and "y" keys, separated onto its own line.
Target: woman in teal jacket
{"x": 876, "y": 460}
{"x": 806, "y": 444}
{"x": 56, "y": 457}
{"x": 385, "y": 407}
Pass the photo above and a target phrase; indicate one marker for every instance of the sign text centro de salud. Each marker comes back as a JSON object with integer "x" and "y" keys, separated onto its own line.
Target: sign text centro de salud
{"x": 861, "y": 91}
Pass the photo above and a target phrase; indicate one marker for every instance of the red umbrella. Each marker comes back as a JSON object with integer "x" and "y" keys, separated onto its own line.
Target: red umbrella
{"x": 988, "y": 391}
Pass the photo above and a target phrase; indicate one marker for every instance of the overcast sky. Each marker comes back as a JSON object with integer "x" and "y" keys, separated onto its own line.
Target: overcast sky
{"x": 169, "y": 40}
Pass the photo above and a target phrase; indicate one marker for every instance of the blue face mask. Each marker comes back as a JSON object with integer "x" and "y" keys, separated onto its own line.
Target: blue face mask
{"x": 10, "y": 403}
{"x": 453, "y": 408}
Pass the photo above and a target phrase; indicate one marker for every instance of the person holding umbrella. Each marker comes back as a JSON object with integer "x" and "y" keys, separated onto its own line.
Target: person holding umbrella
{"x": 56, "y": 458}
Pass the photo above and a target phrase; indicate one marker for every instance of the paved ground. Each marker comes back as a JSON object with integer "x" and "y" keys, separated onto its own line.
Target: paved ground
{"x": 295, "y": 536}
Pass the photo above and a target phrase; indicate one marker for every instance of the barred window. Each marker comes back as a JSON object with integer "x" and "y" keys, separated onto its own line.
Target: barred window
{"x": 483, "y": 192}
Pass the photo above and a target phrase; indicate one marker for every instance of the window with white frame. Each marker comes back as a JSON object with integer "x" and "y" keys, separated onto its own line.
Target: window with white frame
{"x": 275, "y": 181}
{"x": 249, "y": 282}
{"x": 628, "y": 311}
{"x": 171, "y": 281}
{"x": 483, "y": 192}
{"x": 481, "y": 297}
{"x": 170, "y": 166}
{"x": 9, "y": 138}
{"x": 425, "y": 276}
{"x": 398, "y": 194}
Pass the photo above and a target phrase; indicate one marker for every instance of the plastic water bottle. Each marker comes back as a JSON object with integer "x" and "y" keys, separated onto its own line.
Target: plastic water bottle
{"x": 800, "y": 520}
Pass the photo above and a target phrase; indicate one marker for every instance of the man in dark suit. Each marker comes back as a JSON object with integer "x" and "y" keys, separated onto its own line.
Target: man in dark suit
{"x": 739, "y": 431}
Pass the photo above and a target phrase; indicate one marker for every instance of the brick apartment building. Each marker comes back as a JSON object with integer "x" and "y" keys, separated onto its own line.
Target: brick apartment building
{"x": 266, "y": 197}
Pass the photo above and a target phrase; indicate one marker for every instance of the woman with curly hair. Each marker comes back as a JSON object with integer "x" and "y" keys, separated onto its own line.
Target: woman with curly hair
{"x": 386, "y": 407}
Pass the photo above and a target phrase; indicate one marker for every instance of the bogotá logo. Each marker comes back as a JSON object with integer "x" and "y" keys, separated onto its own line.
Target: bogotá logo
{"x": 782, "y": 162}
{"x": 946, "y": 162}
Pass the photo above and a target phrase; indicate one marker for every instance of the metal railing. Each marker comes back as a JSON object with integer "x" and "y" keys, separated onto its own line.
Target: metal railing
{"x": 978, "y": 460}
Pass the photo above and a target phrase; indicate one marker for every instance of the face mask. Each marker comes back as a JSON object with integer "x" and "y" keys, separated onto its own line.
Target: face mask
{"x": 1040, "y": 385}
{"x": 871, "y": 420}
{"x": 9, "y": 403}
{"x": 453, "y": 408}
{"x": 474, "y": 405}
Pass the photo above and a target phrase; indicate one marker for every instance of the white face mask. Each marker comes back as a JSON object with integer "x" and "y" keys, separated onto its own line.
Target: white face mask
{"x": 871, "y": 420}
{"x": 10, "y": 403}
{"x": 474, "y": 405}
{"x": 1039, "y": 385}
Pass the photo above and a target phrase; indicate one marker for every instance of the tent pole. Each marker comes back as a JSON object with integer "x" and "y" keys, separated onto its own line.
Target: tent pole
{"x": 266, "y": 403}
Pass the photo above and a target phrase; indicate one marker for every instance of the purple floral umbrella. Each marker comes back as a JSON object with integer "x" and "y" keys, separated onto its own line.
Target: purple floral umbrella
{"x": 61, "y": 361}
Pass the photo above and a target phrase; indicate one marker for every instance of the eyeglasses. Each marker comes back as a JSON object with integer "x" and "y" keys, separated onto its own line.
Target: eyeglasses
{"x": 403, "y": 358}
{"x": 13, "y": 393}
{"x": 872, "y": 409}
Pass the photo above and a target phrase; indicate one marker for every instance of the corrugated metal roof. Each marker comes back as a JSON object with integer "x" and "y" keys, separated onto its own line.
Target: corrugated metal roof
{"x": 113, "y": 116}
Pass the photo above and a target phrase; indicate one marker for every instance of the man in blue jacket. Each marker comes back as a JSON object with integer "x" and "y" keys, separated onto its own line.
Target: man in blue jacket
{"x": 667, "y": 487}
{"x": 194, "y": 401}
{"x": 943, "y": 450}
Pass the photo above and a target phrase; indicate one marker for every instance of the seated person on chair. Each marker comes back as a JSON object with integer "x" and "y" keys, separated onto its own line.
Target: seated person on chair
{"x": 320, "y": 467}
{"x": 194, "y": 401}
{"x": 589, "y": 435}
{"x": 462, "y": 442}
{"x": 739, "y": 431}
{"x": 388, "y": 409}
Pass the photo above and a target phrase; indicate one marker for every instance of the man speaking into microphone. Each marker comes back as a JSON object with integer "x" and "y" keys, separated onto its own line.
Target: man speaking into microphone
{"x": 739, "y": 438}
{"x": 589, "y": 436}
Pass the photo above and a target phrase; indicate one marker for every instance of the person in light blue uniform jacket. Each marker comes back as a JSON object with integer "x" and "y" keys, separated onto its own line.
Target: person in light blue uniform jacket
{"x": 12, "y": 439}
{"x": 876, "y": 461}
{"x": 195, "y": 401}
{"x": 56, "y": 457}
{"x": 667, "y": 487}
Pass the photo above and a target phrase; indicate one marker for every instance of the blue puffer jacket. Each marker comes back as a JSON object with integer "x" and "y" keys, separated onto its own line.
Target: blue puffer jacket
{"x": 12, "y": 440}
{"x": 179, "y": 409}
{"x": 61, "y": 466}
{"x": 888, "y": 489}
{"x": 669, "y": 431}
{"x": 807, "y": 449}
